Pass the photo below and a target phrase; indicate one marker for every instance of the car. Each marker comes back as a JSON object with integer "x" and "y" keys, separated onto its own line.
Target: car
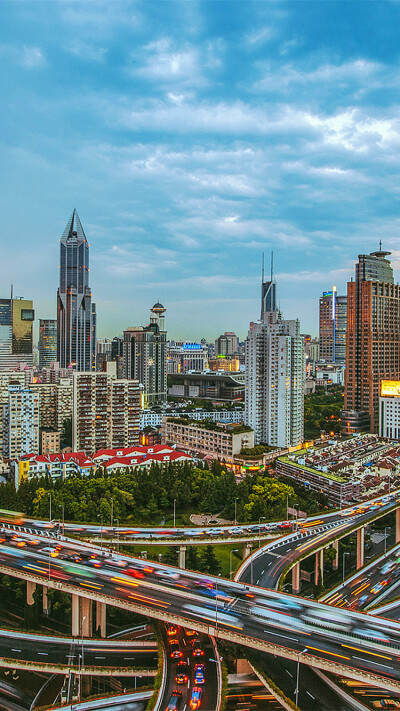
{"x": 174, "y": 649}
{"x": 181, "y": 676}
{"x": 197, "y": 650}
{"x": 189, "y": 633}
{"x": 174, "y": 701}
{"x": 199, "y": 673}
{"x": 386, "y": 704}
{"x": 195, "y": 701}
{"x": 171, "y": 630}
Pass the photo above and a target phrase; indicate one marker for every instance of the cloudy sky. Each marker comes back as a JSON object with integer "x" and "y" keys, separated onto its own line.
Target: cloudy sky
{"x": 191, "y": 137}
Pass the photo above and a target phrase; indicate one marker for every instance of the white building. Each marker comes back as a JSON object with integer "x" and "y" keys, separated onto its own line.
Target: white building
{"x": 275, "y": 371}
{"x": 389, "y": 409}
{"x": 20, "y": 422}
{"x": 182, "y": 357}
{"x": 148, "y": 418}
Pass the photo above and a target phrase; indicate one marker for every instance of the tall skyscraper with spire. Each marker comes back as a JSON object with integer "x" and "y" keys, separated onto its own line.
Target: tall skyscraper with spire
{"x": 76, "y": 314}
{"x": 275, "y": 368}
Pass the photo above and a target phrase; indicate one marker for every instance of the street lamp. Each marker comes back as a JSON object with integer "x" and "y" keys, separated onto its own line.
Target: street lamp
{"x": 230, "y": 562}
{"x": 61, "y": 506}
{"x": 262, "y": 518}
{"x": 49, "y": 493}
{"x": 174, "y": 512}
{"x": 216, "y": 601}
{"x": 387, "y": 528}
{"x": 344, "y": 561}
{"x": 298, "y": 674}
{"x": 112, "y": 511}
{"x": 101, "y": 530}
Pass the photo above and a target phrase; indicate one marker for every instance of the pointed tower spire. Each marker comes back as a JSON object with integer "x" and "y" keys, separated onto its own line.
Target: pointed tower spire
{"x": 74, "y": 227}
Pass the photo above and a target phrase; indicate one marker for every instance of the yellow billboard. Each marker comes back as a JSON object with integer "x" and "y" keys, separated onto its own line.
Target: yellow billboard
{"x": 390, "y": 388}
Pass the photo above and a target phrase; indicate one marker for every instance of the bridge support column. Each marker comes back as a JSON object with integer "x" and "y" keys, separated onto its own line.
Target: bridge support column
{"x": 45, "y": 601}
{"x": 398, "y": 525}
{"x": 86, "y": 617}
{"x": 75, "y": 616}
{"x": 247, "y": 548}
{"x": 30, "y": 590}
{"x": 101, "y": 608}
{"x": 335, "y": 564}
{"x": 360, "y": 547}
{"x": 296, "y": 579}
{"x": 182, "y": 557}
{"x": 319, "y": 567}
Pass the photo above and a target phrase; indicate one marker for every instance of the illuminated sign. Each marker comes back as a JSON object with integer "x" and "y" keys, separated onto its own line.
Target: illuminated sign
{"x": 191, "y": 346}
{"x": 390, "y": 388}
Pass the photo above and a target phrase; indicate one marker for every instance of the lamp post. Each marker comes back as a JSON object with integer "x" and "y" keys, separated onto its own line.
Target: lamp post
{"x": 236, "y": 498}
{"x": 387, "y": 528}
{"x": 262, "y": 518}
{"x": 83, "y": 662}
{"x": 230, "y": 562}
{"x": 50, "y": 504}
{"x": 344, "y": 561}
{"x": 216, "y": 601}
{"x": 298, "y": 675}
{"x": 296, "y": 524}
{"x": 174, "y": 512}
{"x": 61, "y": 506}
{"x": 112, "y": 511}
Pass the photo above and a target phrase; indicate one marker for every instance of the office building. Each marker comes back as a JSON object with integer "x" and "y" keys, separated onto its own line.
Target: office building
{"x": 389, "y": 409}
{"x": 183, "y": 357}
{"x": 76, "y": 314}
{"x": 47, "y": 342}
{"x": 225, "y": 363}
{"x": 372, "y": 340}
{"x": 227, "y": 344}
{"x": 145, "y": 356}
{"x": 16, "y": 328}
{"x": 20, "y": 421}
{"x": 332, "y": 327}
{"x": 106, "y": 411}
{"x": 117, "y": 354}
{"x": 275, "y": 371}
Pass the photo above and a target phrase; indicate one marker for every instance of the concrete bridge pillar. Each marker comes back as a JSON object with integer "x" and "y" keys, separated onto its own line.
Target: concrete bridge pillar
{"x": 182, "y": 557}
{"x": 247, "y": 548}
{"x": 101, "y": 608}
{"x": 319, "y": 567}
{"x": 398, "y": 525}
{"x": 30, "y": 590}
{"x": 75, "y": 616}
{"x": 86, "y": 617}
{"x": 360, "y": 547}
{"x": 45, "y": 601}
{"x": 335, "y": 563}
{"x": 296, "y": 579}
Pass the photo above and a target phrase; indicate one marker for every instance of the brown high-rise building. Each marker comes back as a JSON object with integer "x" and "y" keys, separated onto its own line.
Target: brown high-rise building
{"x": 372, "y": 340}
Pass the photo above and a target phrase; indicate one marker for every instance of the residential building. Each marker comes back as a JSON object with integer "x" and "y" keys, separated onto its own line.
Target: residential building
{"x": 215, "y": 441}
{"x": 389, "y": 409}
{"x": 20, "y": 421}
{"x": 55, "y": 401}
{"x": 76, "y": 314}
{"x": 6, "y": 378}
{"x": 50, "y": 443}
{"x": 275, "y": 373}
{"x": 184, "y": 357}
{"x": 145, "y": 356}
{"x": 332, "y": 327}
{"x": 221, "y": 387}
{"x": 227, "y": 344}
{"x": 329, "y": 374}
{"x": 103, "y": 352}
{"x": 53, "y": 373}
{"x": 149, "y": 418}
{"x": 372, "y": 340}
{"x": 117, "y": 354}
{"x": 47, "y": 342}
{"x": 105, "y": 411}
{"x": 16, "y": 328}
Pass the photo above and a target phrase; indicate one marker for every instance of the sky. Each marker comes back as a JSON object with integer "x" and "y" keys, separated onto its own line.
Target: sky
{"x": 192, "y": 137}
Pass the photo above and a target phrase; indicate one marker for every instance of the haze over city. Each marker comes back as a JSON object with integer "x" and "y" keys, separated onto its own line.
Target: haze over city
{"x": 191, "y": 137}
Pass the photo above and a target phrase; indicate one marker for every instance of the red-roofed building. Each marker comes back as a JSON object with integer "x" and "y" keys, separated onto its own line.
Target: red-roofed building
{"x": 55, "y": 465}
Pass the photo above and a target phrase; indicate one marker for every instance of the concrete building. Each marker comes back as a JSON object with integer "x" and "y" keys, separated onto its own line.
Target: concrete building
{"x": 55, "y": 401}
{"x": 227, "y": 344}
{"x": 6, "y": 378}
{"x": 227, "y": 364}
{"x": 216, "y": 442}
{"x": 20, "y": 421}
{"x": 149, "y": 418}
{"x": 105, "y": 411}
{"x": 117, "y": 355}
{"x": 275, "y": 374}
{"x": 207, "y": 386}
{"x": 184, "y": 357}
{"x": 372, "y": 340}
{"x": 145, "y": 356}
{"x": 47, "y": 342}
{"x": 16, "y": 329}
{"x": 389, "y": 409}
{"x": 76, "y": 314}
{"x": 50, "y": 442}
{"x": 332, "y": 327}
{"x": 329, "y": 374}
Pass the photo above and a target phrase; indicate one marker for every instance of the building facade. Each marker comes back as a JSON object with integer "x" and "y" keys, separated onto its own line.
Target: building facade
{"x": 55, "y": 400}
{"x": 76, "y": 314}
{"x": 227, "y": 344}
{"x": 145, "y": 356}
{"x": 275, "y": 373}
{"x": 183, "y": 357}
{"x": 47, "y": 342}
{"x": 389, "y": 409}
{"x": 20, "y": 422}
{"x": 222, "y": 387}
{"x": 218, "y": 442}
{"x": 332, "y": 327}
{"x": 372, "y": 340}
{"x": 16, "y": 332}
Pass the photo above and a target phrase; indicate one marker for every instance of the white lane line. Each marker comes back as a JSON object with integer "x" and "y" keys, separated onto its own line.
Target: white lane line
{"x": 263, "y": 571}
{"x": 44, "y": 654}
{"x": 276, "y": 634}
{"x": 371, "y": 661}
{"x": 313, "y": 697}
{"x": 99, "y": 657}
{"x": 15, "y": 650}
{"x": 288, "y": 672}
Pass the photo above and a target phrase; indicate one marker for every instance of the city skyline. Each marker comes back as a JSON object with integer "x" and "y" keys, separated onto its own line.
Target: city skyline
{"x": 190, "y": 144}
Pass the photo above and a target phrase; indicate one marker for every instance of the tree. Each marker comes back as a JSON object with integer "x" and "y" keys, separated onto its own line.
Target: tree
{"x": 208, "y": 561}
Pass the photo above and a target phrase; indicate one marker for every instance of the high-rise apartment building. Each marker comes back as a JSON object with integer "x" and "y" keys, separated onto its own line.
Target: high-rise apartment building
{"x": 145, "y": 356}
{"x": 6, "y": 378}
{"x": 55, "y": 401}
{"x": 372, "y": 340}
{"x": 47, "y": 342}
{"x": 106, "y": 411}
{"x": 332, "y": 327}
{"x": 76, "y": 314}
{"x": 227, "y": 344}
{"x": 117, "y": 354}
{"x": 16, "y": 327}
{"x": 274, "y": 350}
{"x": 20, "y": 422}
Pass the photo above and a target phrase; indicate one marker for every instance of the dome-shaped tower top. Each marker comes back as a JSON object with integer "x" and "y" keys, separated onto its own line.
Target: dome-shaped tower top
{"x": 158, "y": 309}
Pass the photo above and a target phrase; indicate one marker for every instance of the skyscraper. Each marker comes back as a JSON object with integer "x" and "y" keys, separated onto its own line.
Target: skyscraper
{"x": 145, "y": 356}
{"x": 76, "y": 314}
{"x": 274, "y": 352}
{"x": 47, "y": 342}
{"x": 372, "y": 340}
{"x": 332, "y": 327}
{"x": 16, "y": 326}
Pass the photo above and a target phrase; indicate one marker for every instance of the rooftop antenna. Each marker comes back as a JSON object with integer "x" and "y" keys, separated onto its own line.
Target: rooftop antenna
{"x": 12, "y": 291}
{"x": 380, "y": 245}
{"x": 262, "y": 269}
{"x": 272, "y": 265}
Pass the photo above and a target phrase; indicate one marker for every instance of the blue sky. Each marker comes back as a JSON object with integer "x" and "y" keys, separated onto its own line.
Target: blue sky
{"x": 191, "y": 137}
